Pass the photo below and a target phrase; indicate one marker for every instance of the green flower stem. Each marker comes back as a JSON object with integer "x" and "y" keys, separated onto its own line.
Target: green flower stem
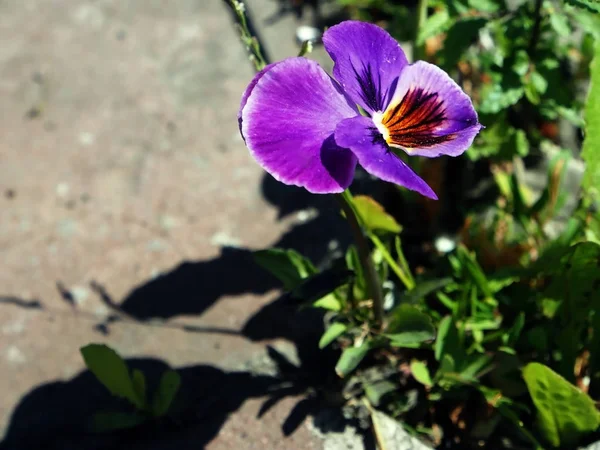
{"x": 252, "y": 44}
{"x": 418, "y": 51}
{"x": 403, "y": 262}
{"x": 364, "y": 253}
{"x": 405, "y": 277}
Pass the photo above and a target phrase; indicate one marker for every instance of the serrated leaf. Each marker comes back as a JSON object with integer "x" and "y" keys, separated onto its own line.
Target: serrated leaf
{"x": 105, "y": 422}
{"x": 334, "y": 331}
{"x": 373, "y": 216}
{"x": 495, "y": 98}
{"x": 588, "y": 22}
{"x": 409, "y": 327}
{"x": 488, "y": 6}
{"x": 564, "y": 413}
{"x": 591, "y": 144}
{"x": 590, "y": 5}
{"x": 110, "y": 369}
{"x": 351, "y": 358}
{"x": 167, "y": 389}
{"x": 289, "y": 266}
{"x": 420, "y": 372}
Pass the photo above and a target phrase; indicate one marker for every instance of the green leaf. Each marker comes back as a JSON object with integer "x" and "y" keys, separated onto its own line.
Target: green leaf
{"x": 459, "y": 38}
{"x": 475, "y": 366}
{"x": 167, "y": 389}
{"x": 532, "y": 94}
{"x": 448, "y": 340}
{"x": 289, "y": 266}
{"x": 564, "y": 413}
{"x": 105, "y": 422}
{"x": 373, "y": 216}
{"x": 513, "y": 333}
{"x": 319, "y": 285}
{"x": 409, "y": 327}
{"x": 474, "y": 270}
{"x": 538, "y": 82}
{"x": 334, "y": 331}
{"x": 521, "y": 64}
{"x": 588, "y": 21}
{"x": 420, "y": 372}
{"x": 436, "y": 24}
{"x": 521, "y": 143}
{"x": 423, "y": 289}
{"x": 329, "y": 302}
{"x": 351, "y": 358}
{"x": 560, "y": 23}
{"x": 488, "y": 6}
{"x": 376, "y": 391}
{"x": 590, "y": 5}
{"x": 591, "y": 144}
{"x": 446, "y": 373}
{"x": 139, "y": 384}
{"x": 495, "y": 98}
{"x": 110, "y": 369}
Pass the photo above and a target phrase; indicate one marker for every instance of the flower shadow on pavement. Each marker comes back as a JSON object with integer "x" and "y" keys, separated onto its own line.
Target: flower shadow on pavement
{"x": 56, "y": 415}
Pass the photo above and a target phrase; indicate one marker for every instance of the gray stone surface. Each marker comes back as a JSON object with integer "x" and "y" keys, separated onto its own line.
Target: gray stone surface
{"x": 120, "y": 159}
{"x": 391, "y": 435}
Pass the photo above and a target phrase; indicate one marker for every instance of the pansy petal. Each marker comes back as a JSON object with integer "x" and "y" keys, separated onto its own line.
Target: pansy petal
{"x": 248, "y": 91}
{"x": 367, "y": 61}
{"x": 288, "y": 122}
{"x": 361, "y": 136}
{"x": 429, "y": 114}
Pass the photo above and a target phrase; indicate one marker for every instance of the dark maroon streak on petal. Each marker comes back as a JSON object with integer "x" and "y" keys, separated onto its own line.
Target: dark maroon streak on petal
{"x": 429, "y": 114}
{"x": 367, "y": 62}
{"x": 412, "y": 123}
{"x": 371, "y": 92}
{"x": 364, "y": 139}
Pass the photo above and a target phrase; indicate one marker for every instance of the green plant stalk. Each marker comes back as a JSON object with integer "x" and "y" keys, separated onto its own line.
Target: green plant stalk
{"x": 406, "y": 278}
{"x": 364, "y": 253}
{"x": 418, "y": 50}
{"x": 252, "y": 45}
{"x": 403, "y": 262}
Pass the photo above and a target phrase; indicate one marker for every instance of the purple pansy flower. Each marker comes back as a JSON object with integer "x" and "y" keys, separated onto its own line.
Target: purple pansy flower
{"x": 304, "y": 128}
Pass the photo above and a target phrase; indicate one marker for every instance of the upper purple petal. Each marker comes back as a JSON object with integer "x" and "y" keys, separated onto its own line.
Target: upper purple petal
{"x": 429, "y": 114}
{"x": 361, "y": 136}
{"x": 288, "y": 120}
{"x": 367, "y": 61}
